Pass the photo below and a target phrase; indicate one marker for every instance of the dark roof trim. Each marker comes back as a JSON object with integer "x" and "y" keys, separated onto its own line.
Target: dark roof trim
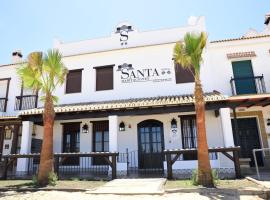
{"x": 103, "y": 66}
{"x": 126, "y": 112}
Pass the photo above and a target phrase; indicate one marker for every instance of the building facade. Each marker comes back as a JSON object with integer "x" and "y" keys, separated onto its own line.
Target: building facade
{"x": 124, "y": 93}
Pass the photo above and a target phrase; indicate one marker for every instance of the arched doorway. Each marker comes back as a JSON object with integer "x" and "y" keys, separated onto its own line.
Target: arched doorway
{"x": 150, "y": 144}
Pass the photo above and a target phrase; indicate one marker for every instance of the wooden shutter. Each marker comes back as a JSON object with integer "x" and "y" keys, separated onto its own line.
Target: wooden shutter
{"x": 183, "y": 75}
{"x": 74, "y": 81}
{"x": 104, "y": 78}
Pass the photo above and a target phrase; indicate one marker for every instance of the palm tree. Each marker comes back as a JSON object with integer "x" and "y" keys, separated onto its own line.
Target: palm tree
{"x": 188, "y": 54}
{"x": 44, "y": 74}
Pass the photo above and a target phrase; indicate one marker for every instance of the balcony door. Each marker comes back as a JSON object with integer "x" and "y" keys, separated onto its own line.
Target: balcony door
{"x": 189, "y": 135}
{"x": 100, "y": 140}
{"x": 244, "y": 77}
{"x": 71, "y": 142}
{"x": 1, "y": 139}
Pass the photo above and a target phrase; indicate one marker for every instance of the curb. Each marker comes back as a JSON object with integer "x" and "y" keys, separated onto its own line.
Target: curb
{"x": 257, "y": 182}
{"x": 262, "y": 193}
{"x": 43, "y": 189}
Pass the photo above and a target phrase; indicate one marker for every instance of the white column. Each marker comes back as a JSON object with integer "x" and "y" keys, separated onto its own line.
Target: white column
{"x": 27, "y": 129}
{"x": 113, "y": 132}
{"x": 225, "y": 117}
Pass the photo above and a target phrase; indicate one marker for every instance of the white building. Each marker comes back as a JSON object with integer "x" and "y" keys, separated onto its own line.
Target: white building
{"x": 123, "y": 93}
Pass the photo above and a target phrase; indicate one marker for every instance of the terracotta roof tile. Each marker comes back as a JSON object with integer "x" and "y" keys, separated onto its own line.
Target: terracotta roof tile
{"x": 241, "y": 38}
{"x": 129, "y": 103}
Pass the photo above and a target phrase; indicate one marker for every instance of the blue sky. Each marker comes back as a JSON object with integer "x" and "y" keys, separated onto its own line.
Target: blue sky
{"x": 31, "y": 25}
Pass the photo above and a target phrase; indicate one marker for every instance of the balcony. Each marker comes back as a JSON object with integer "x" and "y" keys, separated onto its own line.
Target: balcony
{"x": 3, "y": 104}
{"x": 26, "y": 102}
{"x": 248, "y": 85}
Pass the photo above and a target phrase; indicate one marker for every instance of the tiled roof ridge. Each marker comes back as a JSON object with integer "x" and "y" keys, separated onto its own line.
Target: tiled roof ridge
{"x": 135, "y": 99}
{"x": 240, "y": 38}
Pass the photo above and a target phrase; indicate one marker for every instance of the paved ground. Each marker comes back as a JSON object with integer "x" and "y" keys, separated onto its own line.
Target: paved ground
{"x": 42, "y": 195}
{"x": 133, "y": 186}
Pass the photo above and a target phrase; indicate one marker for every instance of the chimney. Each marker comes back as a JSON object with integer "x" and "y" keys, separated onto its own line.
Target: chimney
{"x": 267, "y": 19}
{"x": 16, "y": 56}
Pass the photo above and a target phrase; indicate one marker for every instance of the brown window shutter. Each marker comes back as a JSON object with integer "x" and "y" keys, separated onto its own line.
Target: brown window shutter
{"x": 104, "y": 78}
{"x": 183, "y": 75}
{"x": 74, "y": 81}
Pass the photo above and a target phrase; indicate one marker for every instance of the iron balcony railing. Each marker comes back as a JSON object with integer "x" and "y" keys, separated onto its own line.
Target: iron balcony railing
{"x": 248, "y": 85}
{"x": 26, "y": 102}
{"x": 3, "y": 104}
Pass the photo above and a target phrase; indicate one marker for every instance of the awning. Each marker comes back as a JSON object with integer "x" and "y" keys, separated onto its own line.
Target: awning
{"x": 249, "y": 100}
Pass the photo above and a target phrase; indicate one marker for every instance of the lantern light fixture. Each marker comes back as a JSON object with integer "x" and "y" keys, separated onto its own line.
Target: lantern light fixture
{"x": 122, "y": 126}
{"x": 85, "y": 128}
{"x": 173, "y": 123}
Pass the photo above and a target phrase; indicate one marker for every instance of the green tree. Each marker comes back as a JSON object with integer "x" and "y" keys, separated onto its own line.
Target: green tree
{"x": 188, "y": 54}
{"x": 44, "y": 73}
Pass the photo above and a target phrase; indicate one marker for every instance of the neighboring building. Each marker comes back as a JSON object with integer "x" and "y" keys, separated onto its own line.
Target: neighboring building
{"x": 123, "y": 93}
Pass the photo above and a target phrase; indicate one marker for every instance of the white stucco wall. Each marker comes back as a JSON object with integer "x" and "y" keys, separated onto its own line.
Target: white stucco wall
{"x": 128, "y": 139}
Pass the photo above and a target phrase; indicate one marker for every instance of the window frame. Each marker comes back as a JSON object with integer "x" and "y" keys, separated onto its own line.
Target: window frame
{"x": 187, "y": 72}
{"x": 66, "y": 88}
{"x": 104, "y": 67}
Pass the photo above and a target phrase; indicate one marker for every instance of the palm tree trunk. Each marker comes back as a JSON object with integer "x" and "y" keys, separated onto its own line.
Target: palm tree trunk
{"x": 46, "y": 156}
{"x": 204, "y": 168}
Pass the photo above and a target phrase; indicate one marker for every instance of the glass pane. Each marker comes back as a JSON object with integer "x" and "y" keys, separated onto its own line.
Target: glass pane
{"x": 98, "y": 146}
{"x": 154, "y": 137}
{"x": 106, "y": 136}
{"x": 146, "y": 137}
{"x": 147, "y": 148}
{"x": 106, "y": 146}
{"x": 159, "y": 136}
{"x": 159, "y": 147}
{"x": 155, "y": 149}
{"x": 98, "y": 136}
{"x": 143, "y": 147}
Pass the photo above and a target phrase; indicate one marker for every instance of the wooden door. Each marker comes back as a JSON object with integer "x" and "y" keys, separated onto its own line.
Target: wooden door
{"x": 248, "y": 139}
{"x": 151, "y": 144}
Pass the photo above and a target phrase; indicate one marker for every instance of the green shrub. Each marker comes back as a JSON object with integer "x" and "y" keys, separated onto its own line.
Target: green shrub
{"x": 194, "y": 177}
{"x": 52, "y": 178}
{"x": 34, "y": 181}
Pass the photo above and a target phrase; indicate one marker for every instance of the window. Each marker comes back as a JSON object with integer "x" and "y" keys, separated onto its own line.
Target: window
{"x": 74, "y": 81}
{"x": 183, "y": 75}
{"x": 104, "y": 78}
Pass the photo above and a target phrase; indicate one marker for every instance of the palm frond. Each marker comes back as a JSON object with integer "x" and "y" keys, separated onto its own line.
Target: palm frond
{"x": 189, "y": 53}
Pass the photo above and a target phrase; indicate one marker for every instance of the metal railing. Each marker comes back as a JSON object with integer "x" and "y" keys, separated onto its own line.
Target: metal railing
{"x": 3, "y": 104}
{"x": 254, "y": 151}
{"x": 256, "y": 83}
{"x": 26, "y": 102}
{"x": 66, "y": 165}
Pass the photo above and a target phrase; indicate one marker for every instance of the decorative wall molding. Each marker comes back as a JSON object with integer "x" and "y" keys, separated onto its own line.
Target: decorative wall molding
{"x": 241, "y": 54}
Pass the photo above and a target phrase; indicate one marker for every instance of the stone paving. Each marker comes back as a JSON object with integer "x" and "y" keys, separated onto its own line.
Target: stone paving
{"x": 133, "y": 186}
{"x": 49, "y": 195}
